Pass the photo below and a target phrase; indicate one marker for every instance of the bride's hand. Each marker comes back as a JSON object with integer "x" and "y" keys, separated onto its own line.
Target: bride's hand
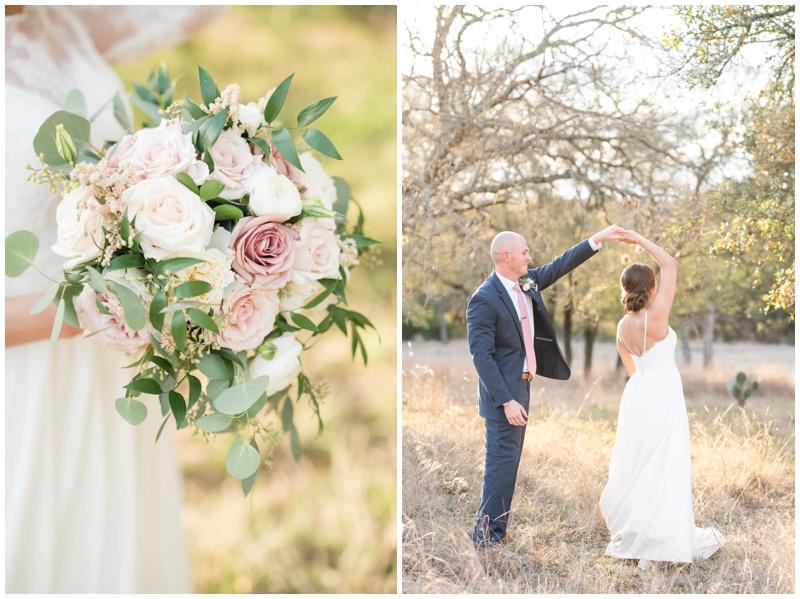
{"x": 628, "y": 236}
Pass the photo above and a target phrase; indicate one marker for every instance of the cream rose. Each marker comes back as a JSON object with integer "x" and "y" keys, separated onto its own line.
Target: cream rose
{"x": 251, "y": 117}
{"x": 163, "y": 151}
{"x": 111, "y": 330}
{"x": 250, "y": 312}
{"x": 170, "y": 218}
{"x": 215, "y": 270}
{"x": 80, "y": 222}
{"x": 273, "y": 196}
{"x": 317, "y": 250}
{"x": 317, "y": 182}
{"x": 284, "y": 366}
{"x": 234, "y": 164}
{"x": 297, "y": 294}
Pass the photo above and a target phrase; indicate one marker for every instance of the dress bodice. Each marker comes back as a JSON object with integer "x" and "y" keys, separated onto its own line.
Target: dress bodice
{"x": 661, "y": 355}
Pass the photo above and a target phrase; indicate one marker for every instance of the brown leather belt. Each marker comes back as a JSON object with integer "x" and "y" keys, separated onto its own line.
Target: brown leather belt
{"x": 527, "y": 376}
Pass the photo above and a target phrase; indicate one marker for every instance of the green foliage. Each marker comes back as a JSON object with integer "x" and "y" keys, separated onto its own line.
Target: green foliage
{"x": 243, "y": 459}
{"x": 132, "y": 410}
{"x": 741, "y": 387}
{"x": 48, "y": 142}
{"x": 21, "y": 248}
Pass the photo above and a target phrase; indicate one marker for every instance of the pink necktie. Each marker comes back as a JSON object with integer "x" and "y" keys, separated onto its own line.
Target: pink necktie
{"x": 526, "y": 329}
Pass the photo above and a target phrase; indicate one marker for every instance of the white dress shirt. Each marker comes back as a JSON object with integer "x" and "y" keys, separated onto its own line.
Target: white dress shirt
{"x": 509, "y": 285}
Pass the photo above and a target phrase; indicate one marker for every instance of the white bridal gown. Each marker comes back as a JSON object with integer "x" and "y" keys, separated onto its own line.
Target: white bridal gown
{"x": 647, "y": 503}
{"x": 92, "y": 504}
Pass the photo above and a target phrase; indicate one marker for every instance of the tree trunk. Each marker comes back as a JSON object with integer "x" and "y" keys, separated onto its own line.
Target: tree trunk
{"x": 589, "y": 335}
{"x": 686, "y": 334}
{"x": 442, "y": 327}
{"x": 708, "y": 336}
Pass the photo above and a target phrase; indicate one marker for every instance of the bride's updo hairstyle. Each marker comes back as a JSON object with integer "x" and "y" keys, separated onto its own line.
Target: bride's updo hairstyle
{"x": 637, "y": 281}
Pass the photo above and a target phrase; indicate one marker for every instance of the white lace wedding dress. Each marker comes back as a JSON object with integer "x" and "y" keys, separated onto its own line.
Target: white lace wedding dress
{"x": 92, "y": 504}
{"x": 647, "y": 502}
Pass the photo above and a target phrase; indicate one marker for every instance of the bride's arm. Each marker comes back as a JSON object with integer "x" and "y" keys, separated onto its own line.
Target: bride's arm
{"x": 662, "y": 304}
{"x": 21, "y": 327}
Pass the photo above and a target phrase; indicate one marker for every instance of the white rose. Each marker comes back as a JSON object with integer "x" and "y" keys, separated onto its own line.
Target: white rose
{"x": 134, "y": 279}
{"x": 80, "y": 222}
{"x": 234, "y": 164}
{"x": 273, "y": 195}
{"x": 284, "y": 366}
{"x": 215, "y": 270}
{"x": 317, "y": 252}
{"x": 318, "y": 183}
{"x": 163, "y": 151}
{"x": 297, "y": 294}
{"x": 251, "y": 117}
{"x": 170, "y": 218}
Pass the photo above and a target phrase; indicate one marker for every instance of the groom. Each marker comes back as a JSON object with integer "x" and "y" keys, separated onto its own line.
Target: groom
{"x": 511, "y": 338}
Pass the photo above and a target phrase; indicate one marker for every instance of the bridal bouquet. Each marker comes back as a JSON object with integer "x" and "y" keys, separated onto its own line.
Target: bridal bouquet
{"x": 208, "y": 246}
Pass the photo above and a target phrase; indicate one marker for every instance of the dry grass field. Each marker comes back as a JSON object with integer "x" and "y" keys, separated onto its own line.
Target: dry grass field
{"x": 742, "y": 463}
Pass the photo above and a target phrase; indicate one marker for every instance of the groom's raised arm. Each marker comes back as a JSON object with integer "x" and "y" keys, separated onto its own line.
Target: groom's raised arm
{"x": 571, "y": 259}
{"x": 481, "y": 326}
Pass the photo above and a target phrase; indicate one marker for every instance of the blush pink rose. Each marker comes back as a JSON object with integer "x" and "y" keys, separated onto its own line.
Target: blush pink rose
{"x": 234, "y": 163}
{"x": 121, "y": 152}
{"x": 113, "y": 332}
{"x": 251, "y": 312}
{"x": 264, "y": 251}
{"x": 280, "y": 164}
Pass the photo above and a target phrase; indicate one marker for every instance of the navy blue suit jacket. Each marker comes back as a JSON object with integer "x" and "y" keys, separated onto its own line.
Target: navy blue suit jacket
{"x": 495, "y": 335}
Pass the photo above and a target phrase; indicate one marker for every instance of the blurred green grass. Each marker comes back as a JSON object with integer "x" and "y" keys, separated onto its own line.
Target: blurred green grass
{"x": 328, "y": 522}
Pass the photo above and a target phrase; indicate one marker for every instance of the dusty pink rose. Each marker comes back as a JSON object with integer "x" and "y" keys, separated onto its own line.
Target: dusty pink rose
{"x": 280, "y": 164}
{"x": 264, "y": 251}
{"x": 251, "y": 312}
{"x": 114, "y": 333}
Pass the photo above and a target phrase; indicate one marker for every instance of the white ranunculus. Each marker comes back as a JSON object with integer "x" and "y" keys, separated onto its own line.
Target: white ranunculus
{"x": 317, "y": 251}
{"x": 80, "y": 222}
{"x": 163, "y": 151}
{"x": 318, "y": 183}
{"x": 273, "y": 195}
{"x": 170, "y": 218}
{"x": 250, "y": 117}
{"x": 284, "y": 366}
{"x": 234, "y": 164}
{"x": 215, "y": 269}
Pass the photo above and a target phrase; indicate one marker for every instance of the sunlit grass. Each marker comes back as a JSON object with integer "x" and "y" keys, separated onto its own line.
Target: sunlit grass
{"x": 328, "y": 522}
{"x": 742, "y": 472}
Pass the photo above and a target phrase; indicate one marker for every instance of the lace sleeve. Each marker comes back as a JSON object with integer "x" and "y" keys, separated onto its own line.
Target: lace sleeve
{"x": 123, "y": 33}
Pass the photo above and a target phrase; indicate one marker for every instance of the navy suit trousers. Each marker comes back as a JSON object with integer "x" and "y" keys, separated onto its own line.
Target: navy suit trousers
{"x": 503, "y": 451}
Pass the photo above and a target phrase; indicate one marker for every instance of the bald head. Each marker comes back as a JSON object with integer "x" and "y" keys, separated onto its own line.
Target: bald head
{"x": 507, "y": 241}
{"x": 510, "y": 254}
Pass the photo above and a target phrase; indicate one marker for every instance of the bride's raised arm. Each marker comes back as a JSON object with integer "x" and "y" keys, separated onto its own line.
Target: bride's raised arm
{"x": 662, "y": 303}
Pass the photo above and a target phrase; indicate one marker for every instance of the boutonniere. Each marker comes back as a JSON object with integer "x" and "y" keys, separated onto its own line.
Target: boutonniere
{"x": 526, "y": 283}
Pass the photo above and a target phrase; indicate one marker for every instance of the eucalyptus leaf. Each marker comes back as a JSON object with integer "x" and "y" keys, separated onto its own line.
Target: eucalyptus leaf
{"x": 173, "y": 265}
{"x": 124, "y": 262}
{"x": 158, "y": 303}
{"x": 21, "y": 248}
{"x": 215, "y": 387}
{"x": 320, "y": 142}
{"x": 178, "y": 329}
{"x": 283, "y": 142}
{"x": 132, "y": 410}
{"x": 202, "y": 319}
{"x": 276, "y": 100}
{"x": 195, "y": 389}
{"x": 145, "y": 385}
{"x": 178, "y": 406}
{"x": 192, "y": 289}
{"x": 214, "y": 423}
{"x": 70, "y": 316}
{"x": 76, "y": 103}
{"x": 46, "y": 299}
{"x": 132, "y": 307}
{"x": 145, "y": 94}
{"x": 58, "y": 321}
{"x": 312, "y": 112}
{"x": 213, "y": 366}
{"x": 77, "y": 127}
{"x": 96, "y": 280}
{"x": 239, "y": 398}
{"x": 243, "y": 460}
{"x": 163, "y": 364}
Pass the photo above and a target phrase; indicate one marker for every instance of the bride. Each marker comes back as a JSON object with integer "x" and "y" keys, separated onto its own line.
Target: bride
{"x": 647, "y": 502}
{"x": 92, "y": 504}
